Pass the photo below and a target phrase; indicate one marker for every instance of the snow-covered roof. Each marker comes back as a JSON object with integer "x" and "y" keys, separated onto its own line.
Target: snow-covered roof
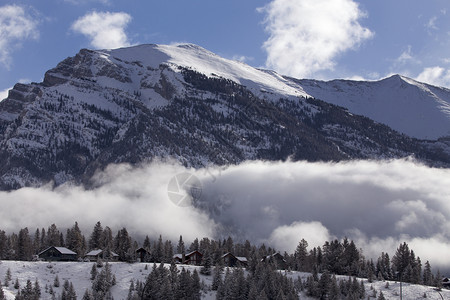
{"x": 94, "y": 252}
{"x": 62, "y": 250}
{"x": 192, "y": 252}
{"x": 98, "y": 252}
{"x": 240, "y": 258}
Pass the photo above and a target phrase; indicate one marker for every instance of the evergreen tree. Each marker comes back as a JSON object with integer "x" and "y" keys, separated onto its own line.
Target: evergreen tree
{"x": 37, "y": 290}
{"x": 75, "y": 240}
{"x": 180, "y": 246}
{"x": 381, "y": 296}
{"x": 206, "y": 264}
{"x": 93, "y": 271}
{"x": 217, "y": 278}
{"x": 95, "y": 240}
{"x": 334, "y": 289}
{"x": 24, "y": 245}
{"x": 301, "y": 254}
{"x": 427, "y": 275}
{"x": 88, "y": 295}
{"x": 8, "y": 277}
{"x": 324, "y": 285}
{"x": 27, "y": 292}
{"x": 401, "y": 259}
{"x": 53, "y": 237}
{"x": 122, "y": 245}
{"x": 2, "y": 294}
{"x": 56, "y": 281}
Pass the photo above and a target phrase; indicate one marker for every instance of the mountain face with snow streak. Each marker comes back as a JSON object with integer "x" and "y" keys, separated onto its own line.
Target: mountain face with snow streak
{"x": 410, "y": 107}
{"x": 185, "y": 103}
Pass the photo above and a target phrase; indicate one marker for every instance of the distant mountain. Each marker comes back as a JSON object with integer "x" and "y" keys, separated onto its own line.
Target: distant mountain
{"x": 183, "y": 102}
{"x": 413, "y": 108}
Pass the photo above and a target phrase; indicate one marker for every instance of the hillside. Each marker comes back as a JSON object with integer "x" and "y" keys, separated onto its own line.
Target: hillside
{"x": 78, "y": 273}
{"x": 185, "y": 103}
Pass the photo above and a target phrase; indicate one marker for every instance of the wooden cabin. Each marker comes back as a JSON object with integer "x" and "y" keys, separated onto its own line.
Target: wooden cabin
{"x": 230, "y": 260}
{"x": 57, "y": 254}
{"x": 94, "y": 255}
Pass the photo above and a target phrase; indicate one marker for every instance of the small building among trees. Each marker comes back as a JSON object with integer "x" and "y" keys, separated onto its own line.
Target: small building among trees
{"x": 230, "y": 260}
{"x": 94, "y": 255}
{"x": 277, "y": 259}
{"x": 53, "y": 253}
{"x": 142, "y": 254}
{"x": 191, "y": 258}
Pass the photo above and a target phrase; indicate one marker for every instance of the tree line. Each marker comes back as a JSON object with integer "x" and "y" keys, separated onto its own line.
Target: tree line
{"x": 336, "y": 257}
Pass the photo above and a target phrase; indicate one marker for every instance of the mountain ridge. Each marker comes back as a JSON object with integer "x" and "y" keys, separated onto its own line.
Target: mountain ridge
{"x": 178, "y": 102}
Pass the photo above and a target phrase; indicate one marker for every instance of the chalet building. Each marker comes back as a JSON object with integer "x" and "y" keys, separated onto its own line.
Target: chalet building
{"x": 142, "y": 254}
{"x": 57, "y": 254}
{"x": 191, "y": 258}
{"x": 94, "y": 255}
{"x": 276, "y": 259}
{"x": 446, "y": 282}
{"x": 230, "y": 260}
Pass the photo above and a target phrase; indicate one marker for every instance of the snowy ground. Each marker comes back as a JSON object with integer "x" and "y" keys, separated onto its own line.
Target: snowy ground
{"x": 79, "y": 272}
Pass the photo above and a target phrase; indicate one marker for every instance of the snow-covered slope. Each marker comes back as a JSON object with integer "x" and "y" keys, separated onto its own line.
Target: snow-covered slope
{"x": 78, "y": 273}
{"x": 185, "y": 103}
{"x": 194, "y": 57}
{"x": 413, "y": 108}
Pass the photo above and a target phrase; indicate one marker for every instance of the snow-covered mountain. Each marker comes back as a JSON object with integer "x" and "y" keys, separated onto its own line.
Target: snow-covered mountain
{"x": 186, "y": 103}
{"x": 413, "y": 108}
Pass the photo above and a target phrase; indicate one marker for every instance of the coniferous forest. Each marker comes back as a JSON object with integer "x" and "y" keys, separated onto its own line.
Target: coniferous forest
{"x": 255, "y": 272}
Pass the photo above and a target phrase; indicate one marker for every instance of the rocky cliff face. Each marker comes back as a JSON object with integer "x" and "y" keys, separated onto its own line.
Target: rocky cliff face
{"x": 177, "y": 102}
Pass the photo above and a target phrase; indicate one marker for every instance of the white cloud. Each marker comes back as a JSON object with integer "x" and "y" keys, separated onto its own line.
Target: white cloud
{"x": 377, "y": 204}
{"x": 77, "y": 2}
{"x": 105, "y": 29}
{"x": 287, "y": 237}
{"x": 126, "y": 197}
{"x": 242, "y": 58}
{"x": 432, "y": 23}
{"x": 306, "y": 36}
{"x": 407, "y": 56}
{"x": 4, "y": 93}
{"x": 436, "y": 76}
{"x": 15, "y": 27}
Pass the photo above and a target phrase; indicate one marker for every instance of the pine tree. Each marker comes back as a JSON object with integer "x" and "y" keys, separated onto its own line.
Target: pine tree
{"x": 93, "y": 271}
{"x": 195, "y": 285}
{"x": 334, "y": 289}
{"x": 95, "y": 240}
{"x": 122, "y": 244}
{"x": 2, "y": 294}
{"x": 324, "y": 285}
{"x": 180, "y": 246}
{"x": 56, "y": 281}
{"x": 37, "y": 289}
{"x": 16, "y": 284}
{"x": 401, "y": 259}
{"x": 427, "y": 275}
{"x": 217, "y": 278}
{"x": 8, "y": 277}
{"x": 53, "y": 237}
{"x": 24, "y": 245}
{"x": 206, "y": 265}
{"x": 88, "y": 295}
{"x": 27, "y": 292}
{"x": 381, "y": 296}
{"x": 301, "y": 253}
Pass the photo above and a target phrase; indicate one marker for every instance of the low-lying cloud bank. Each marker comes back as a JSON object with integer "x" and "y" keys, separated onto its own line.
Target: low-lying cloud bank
{"x": 377, "y": 204}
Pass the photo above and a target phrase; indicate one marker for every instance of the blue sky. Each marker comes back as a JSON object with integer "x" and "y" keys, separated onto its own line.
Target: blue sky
{"x": 322, "y": 39}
